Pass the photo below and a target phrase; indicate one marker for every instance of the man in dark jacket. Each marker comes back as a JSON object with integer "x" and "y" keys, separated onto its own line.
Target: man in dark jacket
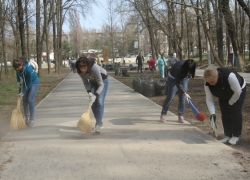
{"x": 139, "y": 61}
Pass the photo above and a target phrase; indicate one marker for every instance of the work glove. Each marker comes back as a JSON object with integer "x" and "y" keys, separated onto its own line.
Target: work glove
{"x": 20, "y": 95}
{"x": 19, "y": 84}
{"x": 187, "y": 97}
{"x": 213, "y": 117}
{"x": 213, "y": 124}
{"x": 92, "y": 98}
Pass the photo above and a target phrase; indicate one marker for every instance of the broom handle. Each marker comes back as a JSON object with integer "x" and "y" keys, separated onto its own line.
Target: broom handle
{"x": 89, "y": 108}
{"x": 18, "y": 103}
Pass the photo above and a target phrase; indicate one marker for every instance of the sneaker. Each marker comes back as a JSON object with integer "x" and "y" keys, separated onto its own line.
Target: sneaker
{"x": 27, "y": 120}
{"x": 101, "y": 126}
{"x": 31, "y": 123}
{"x": 97, "y": 129}
{"x": 180, "y": 119}
{"x": 233, "y": 140}
{"x": 225, "y": 140}
{"x": 162, "y": 118}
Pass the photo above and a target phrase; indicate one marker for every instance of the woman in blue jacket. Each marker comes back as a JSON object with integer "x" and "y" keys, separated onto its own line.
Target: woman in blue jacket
{"x": 28, "y": 81}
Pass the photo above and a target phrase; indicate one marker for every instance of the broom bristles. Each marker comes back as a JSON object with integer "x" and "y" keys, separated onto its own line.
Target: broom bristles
{"x": 200, "y": 116}
{"x": 17, "y": 121}
{"x": 85, "y": 122}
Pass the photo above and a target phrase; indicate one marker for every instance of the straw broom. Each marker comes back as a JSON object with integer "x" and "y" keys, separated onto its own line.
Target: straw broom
{"x": 85, "y": 122}
{"x": 17, "y": 121}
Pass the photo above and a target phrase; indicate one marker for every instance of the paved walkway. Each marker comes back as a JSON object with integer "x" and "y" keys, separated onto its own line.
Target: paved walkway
{"x": 132, "y": 145}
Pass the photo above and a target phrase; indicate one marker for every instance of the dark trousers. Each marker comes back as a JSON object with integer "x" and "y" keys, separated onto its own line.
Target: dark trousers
{"x": 139, "y": 67}
{"x": 232, "y": 116}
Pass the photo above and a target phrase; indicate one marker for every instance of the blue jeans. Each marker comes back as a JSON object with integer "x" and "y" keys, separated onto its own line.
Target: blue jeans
{"x": 73, "y": 68}
{"x": 98, "y": 105}
{"x": 172, "y": 89}
{"x": 29, "y": 101}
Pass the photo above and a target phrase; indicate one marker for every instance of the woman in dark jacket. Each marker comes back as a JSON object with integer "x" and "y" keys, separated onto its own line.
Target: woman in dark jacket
{"x": 178, "y": 80}
{"x": 230, "y": 88}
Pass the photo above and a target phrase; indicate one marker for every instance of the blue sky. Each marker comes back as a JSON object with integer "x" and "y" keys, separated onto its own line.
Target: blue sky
{"x": 93, "y": 20}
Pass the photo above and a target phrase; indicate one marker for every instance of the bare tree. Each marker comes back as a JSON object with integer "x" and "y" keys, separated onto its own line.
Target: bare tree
{"x": 112, "y": 20}
{"x": 231, "y": 32}
{"x": 219, "y": 29}
{"x": 38, "y": 37}
{"x": 203, "y": 21}
{"x": 76, "y": 32}
{"x": 27, "y": 28}
{"x": 21, "y": 26}
{"x": 3, "y": 12}
{"x": 199, "y": 32}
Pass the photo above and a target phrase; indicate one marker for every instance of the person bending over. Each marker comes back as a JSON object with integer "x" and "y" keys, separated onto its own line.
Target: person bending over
{"x": 178, "y": 80}
{"x": 96, "y": 82}
{"x": 230, "y": 88}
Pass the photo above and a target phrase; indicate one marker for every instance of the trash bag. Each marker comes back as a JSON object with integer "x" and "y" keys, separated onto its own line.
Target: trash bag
{"x": 125, "y": 73}
{"x": 148, "y": 87}
{"x": 137, "y": 85}
{"x": 145, "y": 77}
{"x": 160, "y": 87}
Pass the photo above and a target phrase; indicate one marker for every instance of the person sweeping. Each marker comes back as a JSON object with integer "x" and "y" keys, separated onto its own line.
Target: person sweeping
{"x": 96, "y": 82}
{"x": 178, "y": 80}
{"x": 230, "y": 88}
{"x": 28, "y": 79}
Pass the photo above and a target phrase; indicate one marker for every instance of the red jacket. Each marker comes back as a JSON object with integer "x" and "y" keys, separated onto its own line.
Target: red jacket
{"x": 151, "y": 63}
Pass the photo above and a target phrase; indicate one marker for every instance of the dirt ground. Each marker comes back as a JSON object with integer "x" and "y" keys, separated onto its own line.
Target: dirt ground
{"x": 197, "y": 93}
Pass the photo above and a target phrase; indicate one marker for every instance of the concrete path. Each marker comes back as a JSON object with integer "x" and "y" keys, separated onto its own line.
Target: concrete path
{"x": 132, "y": 144}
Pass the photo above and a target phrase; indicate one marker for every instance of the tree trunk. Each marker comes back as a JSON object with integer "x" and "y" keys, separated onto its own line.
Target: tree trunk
{"x": 207, "y": 33}
{"x": 38, "y": 34}
{"x": 60, "y": 37}
{"x": 228, "y": 46}
{"x": 236, "y": 18}
{"x": 21, "y": 27}
{"x": 170, "y": 41}
{"x": 231, "y": 31}
{"x": 188, "y": 40}
{"x": 245, "y": 7}
{"x": 175, "y": 38}
{"x": 3, "y": 44}
{"x": 220, "y": 35}
{"x": 242, "y": 34}
{"x": 179, "y": 50}
{"x": 55, "y": 42}
{"x": 199, "y": 34}
{"x": 46, "y": 29}
{"x": 27, "y": 29}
